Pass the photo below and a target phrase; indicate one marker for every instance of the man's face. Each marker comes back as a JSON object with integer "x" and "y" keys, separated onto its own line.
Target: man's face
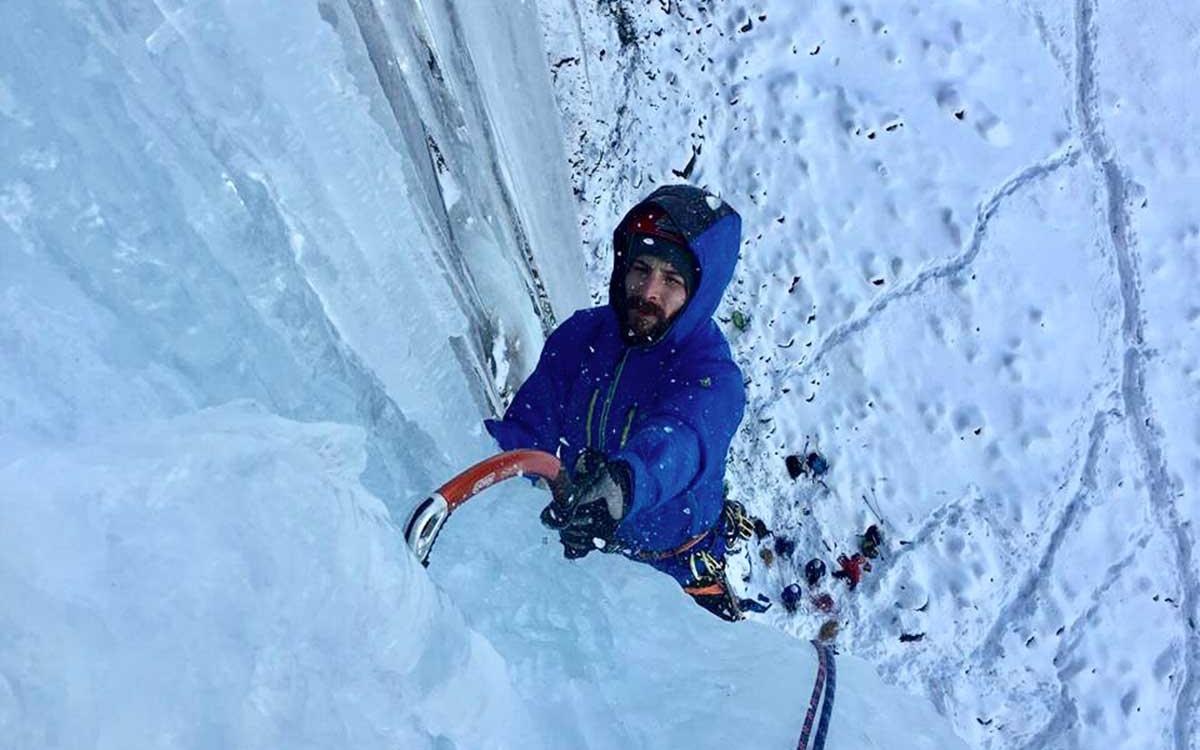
{"x": 655, "y": 292}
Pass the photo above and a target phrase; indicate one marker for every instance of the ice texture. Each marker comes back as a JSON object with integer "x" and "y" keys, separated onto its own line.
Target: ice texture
{"x": 264, "y": 267}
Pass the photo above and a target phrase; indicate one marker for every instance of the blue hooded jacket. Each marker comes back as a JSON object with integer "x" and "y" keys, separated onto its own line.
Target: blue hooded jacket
{"x": 668, "y": 409}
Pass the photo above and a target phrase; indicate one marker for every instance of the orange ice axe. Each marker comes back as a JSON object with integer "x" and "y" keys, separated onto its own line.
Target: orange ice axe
{"x": 430, "y": 515}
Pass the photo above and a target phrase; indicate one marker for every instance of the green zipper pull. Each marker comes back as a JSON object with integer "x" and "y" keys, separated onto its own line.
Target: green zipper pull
{"x": 591, "y": 408}
{"x": 628, "y": 424}
{"x": 612, "y": 391}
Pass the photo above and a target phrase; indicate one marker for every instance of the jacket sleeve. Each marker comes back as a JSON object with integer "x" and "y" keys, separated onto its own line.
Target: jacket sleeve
{"x": 684, "y": 438}
{"x": 534, "y": 418}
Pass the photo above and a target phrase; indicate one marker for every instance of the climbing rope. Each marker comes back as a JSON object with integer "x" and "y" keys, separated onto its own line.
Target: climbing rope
{"x": 822, "y": 698}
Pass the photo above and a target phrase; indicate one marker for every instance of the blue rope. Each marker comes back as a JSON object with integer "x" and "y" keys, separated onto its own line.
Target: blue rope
{"x": 814, "y": 701}
{"x": 827, "y": 705}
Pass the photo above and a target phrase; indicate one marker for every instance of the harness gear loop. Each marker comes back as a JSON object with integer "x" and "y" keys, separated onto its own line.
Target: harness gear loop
{"x": 711, "y": 588}
{"x": 738, "y": 526}
{"x": 705, "y": 567}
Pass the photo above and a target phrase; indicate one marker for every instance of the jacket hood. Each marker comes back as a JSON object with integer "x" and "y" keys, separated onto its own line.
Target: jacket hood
{"x": 712, "y": 231}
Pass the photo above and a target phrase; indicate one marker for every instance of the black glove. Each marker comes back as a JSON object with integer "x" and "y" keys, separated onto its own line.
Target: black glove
{"x": 586, "y": 512}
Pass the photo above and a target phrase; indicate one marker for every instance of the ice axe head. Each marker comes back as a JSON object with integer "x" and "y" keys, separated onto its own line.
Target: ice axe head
{"x": 424, "y": 524}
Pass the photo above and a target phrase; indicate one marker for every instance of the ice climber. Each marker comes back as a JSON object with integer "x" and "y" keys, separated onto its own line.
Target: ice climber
{"x": 640, "y": 398}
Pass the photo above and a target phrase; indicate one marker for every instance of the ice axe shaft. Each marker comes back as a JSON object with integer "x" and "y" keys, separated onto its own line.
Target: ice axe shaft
{"x": 430, "y": 515}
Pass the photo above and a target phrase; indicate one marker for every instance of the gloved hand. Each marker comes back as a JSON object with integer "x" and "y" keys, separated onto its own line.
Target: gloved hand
{"x": 586, "y": 512}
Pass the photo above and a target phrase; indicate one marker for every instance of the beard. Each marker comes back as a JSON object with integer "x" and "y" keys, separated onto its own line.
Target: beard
{"x": 645, "y": 322}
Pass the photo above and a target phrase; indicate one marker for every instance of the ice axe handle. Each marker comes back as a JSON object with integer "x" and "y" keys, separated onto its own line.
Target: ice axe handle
{"x": 430, "y": 515}
{"x": 558, "y": 514}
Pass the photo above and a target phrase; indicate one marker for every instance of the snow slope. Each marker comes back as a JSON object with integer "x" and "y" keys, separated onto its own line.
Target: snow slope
{"x": 968, "y": 274}
{"x": 262, "y": 272}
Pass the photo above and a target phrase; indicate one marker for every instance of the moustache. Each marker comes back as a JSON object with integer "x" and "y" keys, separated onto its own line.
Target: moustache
{"x": 639, "y": 304}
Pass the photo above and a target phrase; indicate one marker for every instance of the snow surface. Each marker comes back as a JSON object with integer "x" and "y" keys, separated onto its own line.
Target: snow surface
{"x": 969, "y": 275}
{"x": 262, "y": 272}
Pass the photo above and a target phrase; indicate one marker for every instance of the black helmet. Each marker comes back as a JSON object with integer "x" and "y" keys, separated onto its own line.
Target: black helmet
{"x": 814, "y": 571}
